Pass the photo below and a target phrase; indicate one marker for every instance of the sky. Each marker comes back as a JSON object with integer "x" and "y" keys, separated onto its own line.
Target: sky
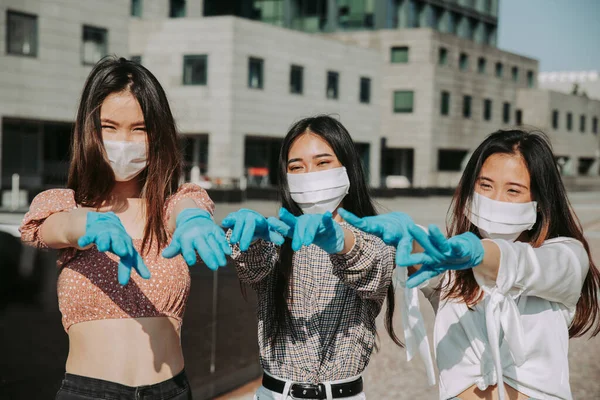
{"x": 564, "y": 35}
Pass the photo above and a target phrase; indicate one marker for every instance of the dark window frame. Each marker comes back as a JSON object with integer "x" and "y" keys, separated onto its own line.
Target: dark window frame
{"x": 467, "y": 109}
{"x": 555, "y": 119}
{"x": 9, "y": 34}
{"x": 97, "y": 29}
{"x": 295, "y": 72}
{"x": 260, "y": 62}
{"x": 403, "y": 110}
{"x": 445, "y": 105}
{"x": 487, "y": 109}
{"x": 195, "y": 57}
{"x": 333, "y": 77}
{"x": 506, "y": 112}
{"x": 398, "y": 48}
{"x": 364, "y": 95}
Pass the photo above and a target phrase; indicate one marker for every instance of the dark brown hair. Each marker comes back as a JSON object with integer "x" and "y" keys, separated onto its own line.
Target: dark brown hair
{"x": 358, "y": 201}
{"x": 90, "y": 174}
{"x": 555, "y": 217}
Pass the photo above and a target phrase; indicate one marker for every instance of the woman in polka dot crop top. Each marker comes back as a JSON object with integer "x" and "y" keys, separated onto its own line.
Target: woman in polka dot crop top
{"x": 121, "y": 294}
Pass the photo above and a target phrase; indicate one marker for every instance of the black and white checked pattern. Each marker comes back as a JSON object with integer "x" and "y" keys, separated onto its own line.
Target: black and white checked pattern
{"x": 336, "y": 299}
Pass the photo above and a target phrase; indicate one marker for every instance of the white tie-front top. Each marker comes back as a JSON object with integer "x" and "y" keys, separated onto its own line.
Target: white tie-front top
{"x": 519, "y": 333}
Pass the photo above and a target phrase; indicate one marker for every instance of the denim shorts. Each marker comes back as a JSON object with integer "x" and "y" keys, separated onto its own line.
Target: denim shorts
{"x": 76, "y": 387}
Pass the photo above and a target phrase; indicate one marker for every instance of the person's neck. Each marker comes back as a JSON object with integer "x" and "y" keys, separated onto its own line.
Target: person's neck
{"x": 122, "y": 191}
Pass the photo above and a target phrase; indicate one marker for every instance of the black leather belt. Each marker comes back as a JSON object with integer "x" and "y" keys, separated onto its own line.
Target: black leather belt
{"x": 314, "y": 390}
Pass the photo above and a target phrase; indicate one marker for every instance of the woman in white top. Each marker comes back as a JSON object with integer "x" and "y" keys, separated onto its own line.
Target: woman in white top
{"x": 517, "y": 278}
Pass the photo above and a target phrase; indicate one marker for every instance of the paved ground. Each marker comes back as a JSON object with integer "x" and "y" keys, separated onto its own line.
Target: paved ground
{"x": 389, "y": 376}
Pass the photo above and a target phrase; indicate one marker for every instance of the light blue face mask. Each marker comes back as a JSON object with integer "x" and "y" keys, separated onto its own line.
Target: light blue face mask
{"x": 127, "y": 159}
{"x": 319, "y": 192}
{"x": 501, "y": 219}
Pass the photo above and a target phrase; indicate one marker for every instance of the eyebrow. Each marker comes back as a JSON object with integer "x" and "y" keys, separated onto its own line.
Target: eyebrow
{"x": 485, "y": 178}
{"x": 314, "y": 157}
{"x": 110, "y": 121}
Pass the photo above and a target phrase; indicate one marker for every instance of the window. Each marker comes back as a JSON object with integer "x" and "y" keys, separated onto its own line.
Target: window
{"x": 530, "y": 81}
{"x": 445, "y": 106}
{"x": 403, "y": 101}
{"x": 95, "y": 44}
{"x": 463, "y": 62}
{"x": 176, "y": 8}
{"x": 136, "y": 59}
{"x": 554, "y": 119}
{"x": 136, "y": 8}
{"x": 21, "y": 34}
{"x": 451, "y": 160}
{"x": 365, "y": 90}
{"x": 487, "y": 109}
{"x": 332, "y": 84}
{"x": 595, "y": 125}
{"x": 255, "y": 73}
{"x": 481, "y": 65}
{"x": 443, "y": 56}
{"x": 452, "y": 22}
{"x": 296, "y": 79}
{"x": 195, "y": 69}
{"x": 268, "y": 11}
{"x": 519, "y": 117}
{"x": 399, "y": 55}
{"x": 467, "y": 106}
{"x": 354, "y": 14}
{"x": 515, "y": 74}
{"x": 487, "y": 6}
{"x": 569, "y": 122}
{"x": 582, "y": 124}
{"x": 499, "y": 70}
{"x": 506, "y": 113}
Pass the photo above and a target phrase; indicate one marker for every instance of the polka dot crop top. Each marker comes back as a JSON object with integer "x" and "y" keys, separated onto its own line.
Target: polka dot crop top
{"x": 88, "y": 288}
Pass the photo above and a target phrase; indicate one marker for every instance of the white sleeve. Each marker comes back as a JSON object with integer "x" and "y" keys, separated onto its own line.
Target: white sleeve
{"x": 554, "y": 272}
{"x": 415, "y": 334}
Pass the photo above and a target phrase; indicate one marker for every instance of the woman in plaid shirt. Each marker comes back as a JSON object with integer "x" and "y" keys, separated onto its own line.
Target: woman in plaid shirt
{"x": 319, "y": 289}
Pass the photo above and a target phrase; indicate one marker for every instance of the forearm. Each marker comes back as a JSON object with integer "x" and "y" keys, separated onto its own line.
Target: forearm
{"x": 490, "y": 265}
{"x": 179, "y": 207}
{"x": 63, "y": 229}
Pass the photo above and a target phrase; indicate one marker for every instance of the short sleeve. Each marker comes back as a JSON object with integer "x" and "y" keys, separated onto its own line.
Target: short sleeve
{"x": 44, "y": 205}
{"x": 189, "y": 191}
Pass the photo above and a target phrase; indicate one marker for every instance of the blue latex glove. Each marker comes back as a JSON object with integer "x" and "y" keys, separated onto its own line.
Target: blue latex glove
{"x": 459, "y": 252}
{"x": 318, "y": 229}
{"x": 196, "y": 231}
{"x": 106, "y": 231}
{"x": 247, "y": 226}
{"x": 395, "y": 229}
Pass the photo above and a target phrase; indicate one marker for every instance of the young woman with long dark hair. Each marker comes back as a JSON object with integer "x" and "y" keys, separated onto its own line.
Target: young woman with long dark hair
{"x": 122, "y": 207}
{"x": 320, "y": 290}
{"x": 517, "y": 278}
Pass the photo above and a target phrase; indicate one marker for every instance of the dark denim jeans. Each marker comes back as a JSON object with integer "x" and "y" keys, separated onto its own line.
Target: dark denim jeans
{"x": 75, "y": 387}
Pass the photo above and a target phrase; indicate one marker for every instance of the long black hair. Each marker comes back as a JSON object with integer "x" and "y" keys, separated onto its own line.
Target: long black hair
{"x": 357, "y": 201}
{"x": 555, "y": 216}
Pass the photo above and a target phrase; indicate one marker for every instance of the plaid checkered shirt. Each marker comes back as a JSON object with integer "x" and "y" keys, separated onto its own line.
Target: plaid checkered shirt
{"x": 336, "y": 298}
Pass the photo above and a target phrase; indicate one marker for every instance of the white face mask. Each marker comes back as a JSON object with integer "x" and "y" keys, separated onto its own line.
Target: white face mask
{"x": 127, "y": 159}
{"x": 319, "y": 192}
{"x": 500, "y": 219}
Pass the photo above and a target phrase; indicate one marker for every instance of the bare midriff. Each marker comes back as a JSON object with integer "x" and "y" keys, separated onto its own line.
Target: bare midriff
{"x": 129, "y": 351}
{"x": 491, "y": 393}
